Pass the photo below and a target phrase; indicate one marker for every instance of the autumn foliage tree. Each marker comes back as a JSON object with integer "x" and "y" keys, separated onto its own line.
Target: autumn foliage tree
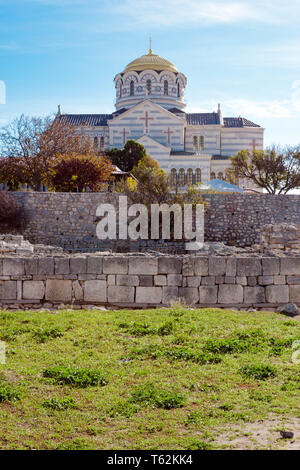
{"x": 276, "y": 170}
{"x": 75, "y": 173}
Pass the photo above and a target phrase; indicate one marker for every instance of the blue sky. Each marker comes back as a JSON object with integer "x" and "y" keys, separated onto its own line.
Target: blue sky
{"x": 243, "y": 54}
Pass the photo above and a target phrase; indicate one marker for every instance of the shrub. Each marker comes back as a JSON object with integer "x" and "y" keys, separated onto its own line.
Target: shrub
{"x": 258, "y": 371}
{"x": 7, "y": 393}
{"x": 10, "y": 210}
{"x": 158, "y": 398}
{"x": 123, "y": 408}
{"x": 75, "y": 376}
{"x": 42, "y": 334}
{"x": 60, "y": 403}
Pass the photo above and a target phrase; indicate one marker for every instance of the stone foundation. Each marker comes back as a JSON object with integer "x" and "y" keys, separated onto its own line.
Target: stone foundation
{"x": 148, "y": 281}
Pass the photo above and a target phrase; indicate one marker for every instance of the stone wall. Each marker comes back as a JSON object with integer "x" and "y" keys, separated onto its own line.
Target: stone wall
{"x": 68, "y": 220}
{"x": 145, "y": 281}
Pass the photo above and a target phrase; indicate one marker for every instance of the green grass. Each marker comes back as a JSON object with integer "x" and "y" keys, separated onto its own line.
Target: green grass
{"x": 149, "y": 379}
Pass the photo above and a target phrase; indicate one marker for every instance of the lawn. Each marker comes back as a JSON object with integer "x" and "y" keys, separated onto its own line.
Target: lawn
{"x": 173, "y": 378}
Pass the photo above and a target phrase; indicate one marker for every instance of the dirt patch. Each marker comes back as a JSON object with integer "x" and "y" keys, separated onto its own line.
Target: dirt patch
{"x": 261, "y": 435}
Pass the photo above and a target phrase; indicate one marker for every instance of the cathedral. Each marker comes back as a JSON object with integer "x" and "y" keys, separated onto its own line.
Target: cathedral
{"x": 150, "y": 108}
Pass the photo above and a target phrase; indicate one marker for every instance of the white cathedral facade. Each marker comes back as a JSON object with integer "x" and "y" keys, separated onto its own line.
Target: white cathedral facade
{"x": 150, "y": 108}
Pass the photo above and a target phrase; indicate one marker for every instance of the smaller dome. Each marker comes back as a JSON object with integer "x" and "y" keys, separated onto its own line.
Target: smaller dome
{"x": 150, "y": 62}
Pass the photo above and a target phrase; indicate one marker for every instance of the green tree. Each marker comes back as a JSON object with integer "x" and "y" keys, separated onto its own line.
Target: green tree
{"x": 128, "y": 157}
{"x": 276, "y": 170}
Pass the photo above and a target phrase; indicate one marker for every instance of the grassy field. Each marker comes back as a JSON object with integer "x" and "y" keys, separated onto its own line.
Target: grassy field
{"x": 172, "y": 378}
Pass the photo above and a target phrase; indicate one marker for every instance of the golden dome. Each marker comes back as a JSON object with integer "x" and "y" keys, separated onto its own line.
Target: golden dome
{"x": 150, "y": 62}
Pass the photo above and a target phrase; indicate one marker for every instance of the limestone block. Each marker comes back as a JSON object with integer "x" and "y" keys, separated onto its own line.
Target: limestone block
{"x": 208, "y": 294}
{"x": 248, "y": 267}
{"x": 277, "y": 294}
{"x": 127, "y": 280}
{"x": 78, "y": 265}
{"x": 111, "y": 280}
{"x": 62, "y": 265}
{"x": 193, "y": 281}
{"x": 121, "y": 294}
{"x": 58, "y": 290}
{"x": 290, "y": 266}
{"x": 270, "y": 266}
{"x": 174, "y": 279}
{"x": 295, "y": 294}
{"x": 241, "y": 280}
{"x": 230, "y": 294}
{"x": 231, "y": 267}
{"x": 279, "y": 279}
{"x": 95, "y": 291}
{"x": 143, "y": 265}
{"x": 13, "y": 267}
{"x": 201, "y": 266}
{"x": 208, "y": 281}
{"x": 94, "y": 265}
{"x": 220, "y": 279}
{"x": 293, "y": 280}
{"x": 31, "y": 266}
{"x": 160, "y": 280}
{"x": 77, "y": 291}
{"x": 8, "y": 290}
{"x": 217, "y": 266}
{"x": 188, "y": 266}
{"x": 1, "y": 267}
{"x": 115, "y": 265}
{"x": 34, "y": 290}
{"x": 265, "y": 280}
{"x": 46, "y": 267}
{"x": 170, "y": 294}
{"x": 230, "y": 280}
{"x": 148, "y": 295}
{"x": 146, "y": 281}
{"x": 169, "y": 265}
{"x": 251, "y": 281}
{"x": 188, "y": 295}
{"x": 254, "y": 295}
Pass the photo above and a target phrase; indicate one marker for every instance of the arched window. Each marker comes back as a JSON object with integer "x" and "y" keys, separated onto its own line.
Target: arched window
{"x": 213, "y": 175}
{"x": 96, "y": 144}
{"x": 102, "y": 144}
{"x": 189, "y": 176}
{"x": 131, "y": 88}
{"x": 220, "y": 175}
{"x": 181, "y": 177}
{"x": 201, "y": 142}
{"x": 173, "y": 181}
{"x": 166, "y": 87}
{"x": 178, "y": 90}
{"x": 195, "y": 144}
{"x": 197, "y": 176}
{"x": 149, "y": 86}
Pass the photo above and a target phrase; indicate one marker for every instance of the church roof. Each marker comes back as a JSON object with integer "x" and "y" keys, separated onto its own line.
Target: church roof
{"x": 150, "y": 62}
{"x": 205, "y": 119}
{"x": 86, "y": 119}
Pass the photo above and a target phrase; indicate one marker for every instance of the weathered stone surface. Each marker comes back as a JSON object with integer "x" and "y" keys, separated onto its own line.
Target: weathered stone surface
{"x": 208, "y": 294}
{"x": 169, "y": 265}
{"x": 8, "y": 290}
{"x": 148, "y": 295}
{"x": 127, "y": 280}
{"x": 277, "y": 294}
{"x": 31, "y": 266}
{"x": 241, "y": 280}
{"x": 45, "y": 267}
{"x": 94, "y": 265}
{"x": 62, "y": 266}
{"x": 230, "y": 294}
{"x": 174, "y": 279}
{"x": 265, "y": 280}
{"x": 13, "y": 267}
{"x": 170, "y": 295}
{"x": 231, "y": 267}
{"x": 111, "y": 280}
{"x": 188, "y": 266}
{"x": 193, "y": 281}
{"x": 33, "y": 290}
{"x": 293, "y": 280}
{"x": 120, "y": 294}
{"x": 270, "y": 266}
{"x": 115, "y": 265}
{"x": 290, "y": 266}
{"x": 201, "y": 266}
{"x": 291, "y": 310}
{"x": 160, "y": 280}
{"x": 143, "y": 265}
{"x": 188, "y": 295}
{"x": 254, "y": 295}
{"x": 295, "y": 294}
{"x": 77, "y": 291}
{"x": 249, "y": 267}
{"x": 220, "y": 279}
{"x": 251, "y": 281}
{"x": 231, "y": 280}
{"x": 146, "y": 280}
{"x": 279, "y": 280}
{"x": 208, "y": 281}
{"x": 217, "y": 266}
{"x": 95, "y": 291}
{"x": 78, "y": 265}
{"x": 58, "y": 290}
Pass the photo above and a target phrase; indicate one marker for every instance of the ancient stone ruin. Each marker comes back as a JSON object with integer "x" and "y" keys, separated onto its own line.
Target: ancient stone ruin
{"x": 285, "y": 237}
